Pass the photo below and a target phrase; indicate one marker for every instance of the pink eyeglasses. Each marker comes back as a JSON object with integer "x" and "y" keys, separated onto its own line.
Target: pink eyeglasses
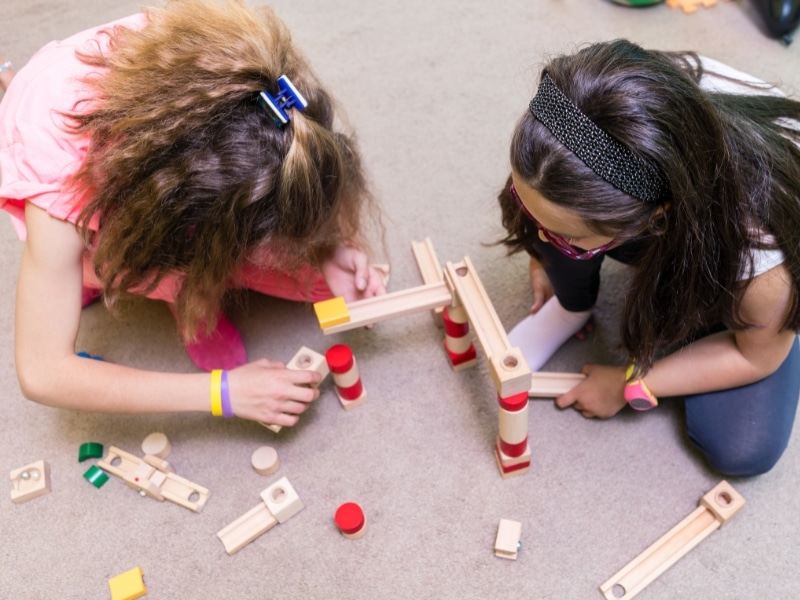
{"x": 561, "y": 244}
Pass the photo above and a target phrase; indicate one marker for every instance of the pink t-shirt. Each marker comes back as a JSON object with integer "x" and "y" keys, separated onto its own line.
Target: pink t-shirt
{"x": 38, "y": 154}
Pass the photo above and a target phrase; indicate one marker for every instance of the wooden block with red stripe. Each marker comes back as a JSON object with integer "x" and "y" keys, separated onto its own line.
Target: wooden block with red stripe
{"x": 346, "y": 377}
{"x": 457, "y": 340}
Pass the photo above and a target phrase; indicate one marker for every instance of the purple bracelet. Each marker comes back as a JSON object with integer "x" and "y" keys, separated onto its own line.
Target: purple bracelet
{"x": 227, "y": 410}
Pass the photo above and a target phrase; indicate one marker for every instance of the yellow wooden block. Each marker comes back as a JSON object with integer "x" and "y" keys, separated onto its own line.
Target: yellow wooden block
{"x": 128, "y": 585}
{"x": 332, "y": 312}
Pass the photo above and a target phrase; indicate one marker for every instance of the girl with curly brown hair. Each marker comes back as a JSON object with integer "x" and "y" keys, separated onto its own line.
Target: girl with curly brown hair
{"x": 179, "y": 154}
{"x": 689, "y": 171}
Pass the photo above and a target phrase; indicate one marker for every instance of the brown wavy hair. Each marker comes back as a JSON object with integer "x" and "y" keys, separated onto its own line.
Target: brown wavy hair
{"x": 733, "y": 168}
{"x": 188, "y": 174}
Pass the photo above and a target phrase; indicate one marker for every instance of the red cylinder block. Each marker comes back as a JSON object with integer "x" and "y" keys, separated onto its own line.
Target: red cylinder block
{"x": 346, "y": 377}
{"x": 350, "y": 520}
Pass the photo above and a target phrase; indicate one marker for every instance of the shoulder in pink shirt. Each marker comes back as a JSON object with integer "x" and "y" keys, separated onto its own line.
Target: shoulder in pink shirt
{"x": 38, "y": 155}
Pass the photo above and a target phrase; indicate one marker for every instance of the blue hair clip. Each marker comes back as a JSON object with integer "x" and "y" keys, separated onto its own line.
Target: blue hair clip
{"x": 288, "y": 97}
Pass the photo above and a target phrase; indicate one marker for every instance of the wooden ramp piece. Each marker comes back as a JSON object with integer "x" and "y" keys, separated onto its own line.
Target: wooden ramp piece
{"x": 279, "y": 502}
{"x": 716, "y": 507}
{"x": 552, "y": 385}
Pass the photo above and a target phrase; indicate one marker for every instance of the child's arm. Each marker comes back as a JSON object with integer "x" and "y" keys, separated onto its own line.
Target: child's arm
{"x": 719, "y": 361}
{"x": 47, "y": 319}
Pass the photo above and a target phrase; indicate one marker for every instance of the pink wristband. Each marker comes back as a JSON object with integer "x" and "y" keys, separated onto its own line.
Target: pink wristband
{"x": 637, "y": 394}
{"x": 227, "y": 409}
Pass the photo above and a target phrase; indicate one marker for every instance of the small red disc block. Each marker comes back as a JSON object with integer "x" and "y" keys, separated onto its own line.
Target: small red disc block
{"x": 339, "y": 358}
{"x": 349, "y": 518}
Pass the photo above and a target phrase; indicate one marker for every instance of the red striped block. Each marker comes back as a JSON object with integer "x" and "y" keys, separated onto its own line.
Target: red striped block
{"x": 346, "y": 378}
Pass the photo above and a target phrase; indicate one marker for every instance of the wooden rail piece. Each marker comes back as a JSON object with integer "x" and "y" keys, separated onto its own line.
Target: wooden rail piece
{"x": 394, "y": 304}
{"x": 509, "y": 370}
{"x": 714, "y": 510}
{"x": 429, "y": 268}
{"x": 279, "y": 502}
{"x": 547, "y": 385}
{"x": 484, "y": 320}
{"x": 148, "y": 480}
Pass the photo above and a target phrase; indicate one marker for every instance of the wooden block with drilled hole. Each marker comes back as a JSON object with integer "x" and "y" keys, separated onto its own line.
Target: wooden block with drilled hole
{"x": 715, "y": 509}
{"x": 279, "y": 503}
{"x": 304, "y": 359}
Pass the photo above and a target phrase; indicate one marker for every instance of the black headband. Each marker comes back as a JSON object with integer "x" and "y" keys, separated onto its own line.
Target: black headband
{"x": 600, "y": 152}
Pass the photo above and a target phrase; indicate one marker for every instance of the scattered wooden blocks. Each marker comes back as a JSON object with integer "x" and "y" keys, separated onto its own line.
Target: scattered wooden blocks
{"x": 30, "y": 481}
{"x": 128, "y": 585}
{"x": 279, "y": 502}
{"x": 507, "y": 543}
{"x": 714, "y": 510}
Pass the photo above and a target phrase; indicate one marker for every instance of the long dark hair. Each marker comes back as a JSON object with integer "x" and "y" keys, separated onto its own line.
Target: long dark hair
{"x": 732, "y": 167}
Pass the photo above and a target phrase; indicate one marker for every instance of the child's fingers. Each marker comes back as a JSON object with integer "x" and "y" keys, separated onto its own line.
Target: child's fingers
{"x": 362, "y": 271}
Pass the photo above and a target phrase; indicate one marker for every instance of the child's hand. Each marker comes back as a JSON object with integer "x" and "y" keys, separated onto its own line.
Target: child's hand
{"x": 540, "y": 285}
{"x": 268, "y": 392}
{"x": 599, "y": 395}
{"x": 350, "y": 276}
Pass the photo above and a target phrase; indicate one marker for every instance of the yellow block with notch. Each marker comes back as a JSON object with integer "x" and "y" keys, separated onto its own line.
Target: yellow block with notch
{"x": 332, "y": 312}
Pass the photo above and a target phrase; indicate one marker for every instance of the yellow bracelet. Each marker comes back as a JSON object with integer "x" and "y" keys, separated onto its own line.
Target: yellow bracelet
{"x": 216, "y": 392}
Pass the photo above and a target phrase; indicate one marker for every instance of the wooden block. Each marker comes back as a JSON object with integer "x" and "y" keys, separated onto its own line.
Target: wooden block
{"x": 281, "y": 500}
{"x": 511, "y": 466}
{"x": 513, "y": 426}
{"x": 507, "y": 543}
{"x": 265, "y": 460}
{"x": 510, "y": 373}
{"x": 430, "y": 269}
{"x": 472, "y": 295}
{"x": 128, "y": 586}
{"x": 331, "y": 312}
{"x": 723, "y": 501}
{"x": 351, "y": 521}
{"x": 279, "y": 503}
{"x": 30, "y": 481}
{"x": 552, "y": 385}
{"x": 307, "y": 360}
{"x": 149, "y": 481}
{"x": 245, "y": 529}
{"x": 304, "y": 359}
{"x": 184, "y": 493}
{"x": 159, "y": 463}
{"x": 156, "y": 444}
{"x": 716, "y": 507}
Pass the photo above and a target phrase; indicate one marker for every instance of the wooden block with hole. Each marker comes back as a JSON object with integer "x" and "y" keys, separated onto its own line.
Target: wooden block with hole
{"x": 279, "y": 502}
{"x": 714, "y": 510}
{"x": 304, "y": 359}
